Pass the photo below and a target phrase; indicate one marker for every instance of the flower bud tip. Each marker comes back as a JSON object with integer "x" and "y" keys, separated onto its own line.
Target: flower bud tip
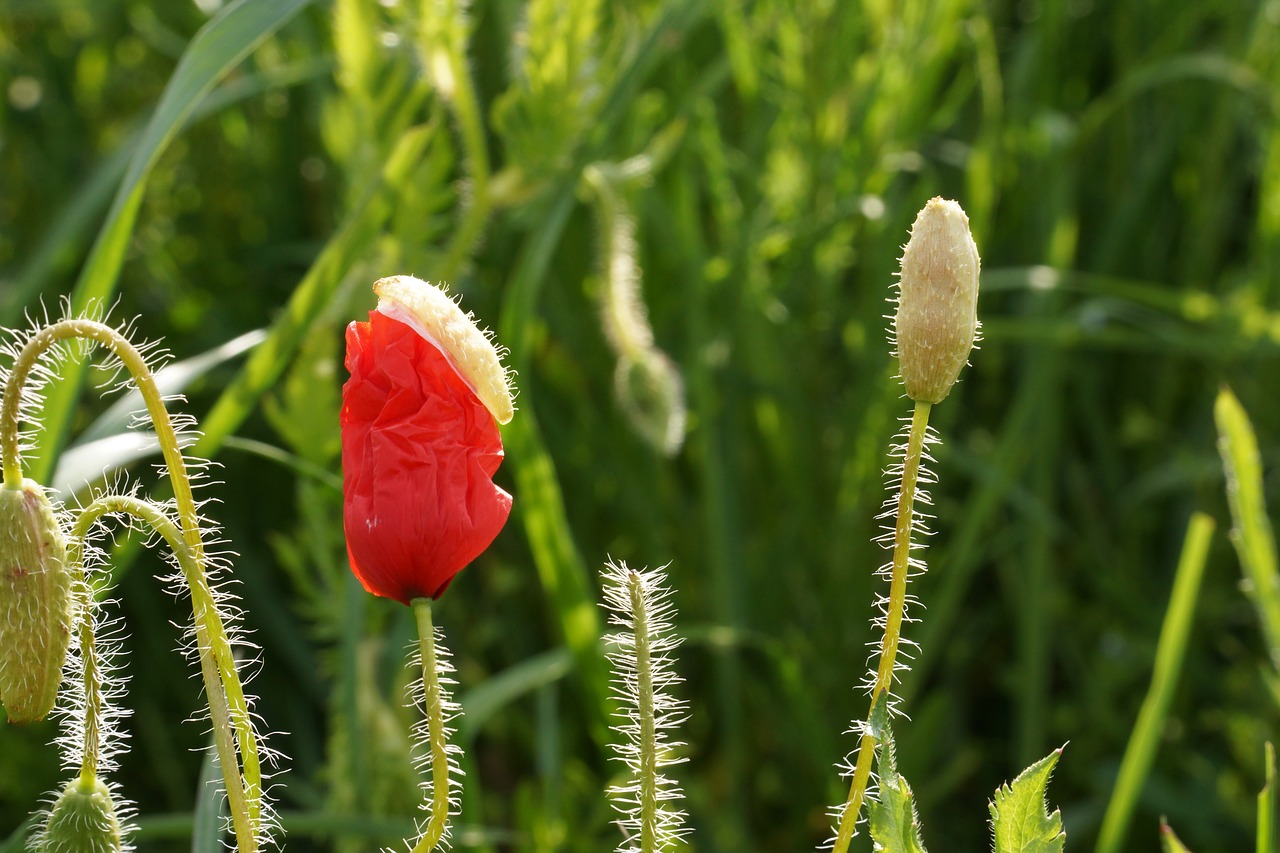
{"x": 936, "y": 323}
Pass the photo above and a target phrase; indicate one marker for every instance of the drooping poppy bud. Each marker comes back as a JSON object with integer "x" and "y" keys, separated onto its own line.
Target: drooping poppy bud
{"x": 35, "y": 603}
{"x": 83, "y": 820}
{"x": 937, "y": 318}
{"x": 420, "y": 442}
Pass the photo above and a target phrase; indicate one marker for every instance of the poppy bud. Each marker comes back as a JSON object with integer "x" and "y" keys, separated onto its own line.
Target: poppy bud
{"x": 420, "y": 442}
{"x": 35, "y": 603}
{"x": 937, "y": 319}
{"x": 83, "y": 820}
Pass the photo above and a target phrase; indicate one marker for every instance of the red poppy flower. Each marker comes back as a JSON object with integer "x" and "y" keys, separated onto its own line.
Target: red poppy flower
{"x": 419, "y": 444}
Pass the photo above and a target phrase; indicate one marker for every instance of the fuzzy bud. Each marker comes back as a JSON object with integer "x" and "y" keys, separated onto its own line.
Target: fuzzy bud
{"x": 83, "y": 820}
{"x": 35, "y": 603}
{"x": 937, "y": 319}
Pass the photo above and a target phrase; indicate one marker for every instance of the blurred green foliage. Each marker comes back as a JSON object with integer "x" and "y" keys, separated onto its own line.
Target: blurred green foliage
{"x": 1120, "y": 163}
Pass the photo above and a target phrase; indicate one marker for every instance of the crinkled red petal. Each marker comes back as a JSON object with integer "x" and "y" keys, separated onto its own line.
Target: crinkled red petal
{"x": 419, "y": 451}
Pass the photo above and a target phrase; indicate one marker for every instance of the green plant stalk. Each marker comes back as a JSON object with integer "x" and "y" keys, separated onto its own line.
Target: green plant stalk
{"x": 894, "y": 615}
{"x": 229, "y": 717}
{"x": 1170, "y": 655}
{"x": 449, "y": 48}
{"x": 1265, "y": 833}
{"x": 225, "y": 694}
{"x": 1252, "y": 535}
{"x": 648, "y": 725}
{"x": 219, "y": 46}
{"x": 436, "y": 737}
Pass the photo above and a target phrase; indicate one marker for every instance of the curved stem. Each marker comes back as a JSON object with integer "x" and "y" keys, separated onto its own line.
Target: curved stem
{"x": 894, "y": 615}
{"x": 437, "y": 738}
{"x": 222, "y": 683}
{"x": 227, "y": 707}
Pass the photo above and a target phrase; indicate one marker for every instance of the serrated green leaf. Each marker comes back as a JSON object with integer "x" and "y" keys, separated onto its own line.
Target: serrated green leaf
{"x": 891, "y": 817}
{"x": 1020, "y": 818}
{"x": 1169, "y": 841}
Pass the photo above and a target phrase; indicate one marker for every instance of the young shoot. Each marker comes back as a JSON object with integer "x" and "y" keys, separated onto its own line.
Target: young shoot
{"x": 640, "y": 605}
{"x": 934, "y": 329}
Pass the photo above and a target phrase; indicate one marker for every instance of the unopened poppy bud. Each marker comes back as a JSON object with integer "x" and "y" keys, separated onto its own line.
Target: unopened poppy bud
{"x": 83, "y": 820}
{"x": 35, "y": 603}
{"x": 428, "y": 309}
{"x": 937, "y": 319}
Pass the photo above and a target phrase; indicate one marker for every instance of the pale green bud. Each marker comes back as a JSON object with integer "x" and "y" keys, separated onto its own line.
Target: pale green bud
{"x": 937, "y": 319}
{"x": 82, "y": 820}
{"x": 35, "y": 603}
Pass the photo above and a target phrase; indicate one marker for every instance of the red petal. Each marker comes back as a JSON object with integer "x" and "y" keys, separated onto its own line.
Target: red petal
{"x": 419, "y": 451}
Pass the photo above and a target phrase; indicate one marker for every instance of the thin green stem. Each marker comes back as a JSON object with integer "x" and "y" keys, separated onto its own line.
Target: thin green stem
{"x": 648, "y": 796}
{"x": 243, "y": 793}
{"x": 222, "y": 683}
{"x": 1170, "y": 658}
{"x": 894, "y": 615}
{"x": 438, "y": 742}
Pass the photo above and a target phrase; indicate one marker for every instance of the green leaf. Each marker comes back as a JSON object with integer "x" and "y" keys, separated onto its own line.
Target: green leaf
{"x": 1169, "y": 841}
{"x": 1020, "y": 819}
{"x": 219, "y": 46}
{"x": 891, "y": 817}
{"x": 1148, "y": 729}
{"x": 1266, "y": 831}
{"x": 1255, "y": 543}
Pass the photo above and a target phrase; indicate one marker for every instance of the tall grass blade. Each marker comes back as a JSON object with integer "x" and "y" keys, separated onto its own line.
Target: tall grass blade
{"x": 313, "y": 293}
{"x": 1251, "y": 534}
{"x": 1266, "y": 841}
{"x": 219, "y": 46}
{"x": 1170, "y": 655}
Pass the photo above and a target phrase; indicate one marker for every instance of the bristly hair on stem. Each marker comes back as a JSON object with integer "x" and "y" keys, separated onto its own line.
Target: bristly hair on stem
{"x": 436, "y": 756}
{"x": 640, "y": 605}
{"x": 213, "y": 636}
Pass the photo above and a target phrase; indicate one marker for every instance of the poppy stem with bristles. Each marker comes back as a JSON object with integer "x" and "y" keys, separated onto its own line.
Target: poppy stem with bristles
{"x": 437, "y": 736}
{"x": 239, "y": 755}
{"x": 895, "y": 613}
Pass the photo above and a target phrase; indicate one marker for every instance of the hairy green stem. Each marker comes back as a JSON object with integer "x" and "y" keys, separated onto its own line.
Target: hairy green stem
{"x": 894, "y": 615}
{"x": 437, "y": 738}
{"x": 229, "y": 708}
{"x": 228, "y": 712}
{"x": 648, "y": 780}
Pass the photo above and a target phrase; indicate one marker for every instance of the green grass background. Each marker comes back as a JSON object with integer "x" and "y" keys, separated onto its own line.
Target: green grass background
{"x": 1120, "y": 163}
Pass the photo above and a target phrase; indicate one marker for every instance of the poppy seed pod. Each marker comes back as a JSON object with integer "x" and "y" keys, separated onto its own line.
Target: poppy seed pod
{"x": 35, "y": 603}
{"x": 937, "y": 319}
{"x": 83, "y": 820}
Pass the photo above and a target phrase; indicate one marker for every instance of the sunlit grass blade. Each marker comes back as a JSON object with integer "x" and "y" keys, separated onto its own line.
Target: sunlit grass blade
{"x": 1170, "y": 655}
{"x": 1169, "y": 840}
{"x": 219, "y": 46}
{"x": 313, "y": 293}
{"x": 1251, "y": 532}
{"x": 1266, "y": 832}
